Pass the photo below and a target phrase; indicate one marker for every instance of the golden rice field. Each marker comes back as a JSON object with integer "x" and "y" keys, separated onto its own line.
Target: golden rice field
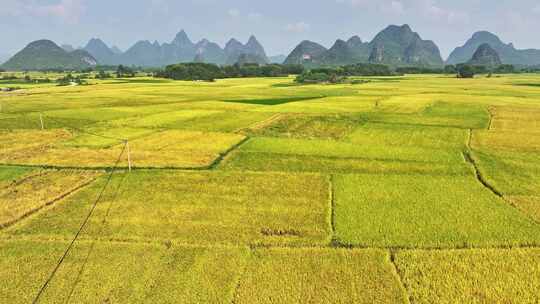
{"x": 413, "y": 189}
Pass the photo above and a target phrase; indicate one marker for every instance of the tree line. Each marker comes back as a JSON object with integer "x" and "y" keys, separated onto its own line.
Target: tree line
{"x": 211, "y": 72}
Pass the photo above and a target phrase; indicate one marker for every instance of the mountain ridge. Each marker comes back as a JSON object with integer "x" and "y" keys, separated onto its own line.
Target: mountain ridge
{"x": 394, "y": 45}
{"x": 507, "y": 51}
{"x": 45, "y": 54}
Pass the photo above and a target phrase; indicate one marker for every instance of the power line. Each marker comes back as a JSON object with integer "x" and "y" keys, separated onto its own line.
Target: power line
{"x": 85, "y": 222}
{"x": 91, "y": 250}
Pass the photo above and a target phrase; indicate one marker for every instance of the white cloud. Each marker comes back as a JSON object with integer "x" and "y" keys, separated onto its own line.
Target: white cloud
{"x": 298, "y": 27}
{"x": 64, "y": 10}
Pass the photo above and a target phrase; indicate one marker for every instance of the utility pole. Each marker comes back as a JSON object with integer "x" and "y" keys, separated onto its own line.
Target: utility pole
{"x": 41, "y": 120}
{"x": 128, "y": 155}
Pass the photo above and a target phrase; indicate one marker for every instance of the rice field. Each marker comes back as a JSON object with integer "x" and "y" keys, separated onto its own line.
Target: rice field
{"x": 413, "y": 189}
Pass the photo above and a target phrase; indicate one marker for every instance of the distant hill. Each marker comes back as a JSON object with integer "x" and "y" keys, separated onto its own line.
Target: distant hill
{"x": 116, "y": 50}
{"x": 395, "y": 45}
{"x": 346, "y": 52}
{"x": 485, "y": 55}
{"x": 180, "y": 50}
{"x": 97, "y": 48}
{"x": 279, "y": 59}
{"x": 507, "y": 52}
{"x": 210, "y": 52}
{"x": 235, "y": 49}
{"x": 251, "y": 58}
{"x": 67, "y": 47}
{"x": 307, "y": 52}
{"x": 45, "y": 54}
{"x": 399, "y": 45}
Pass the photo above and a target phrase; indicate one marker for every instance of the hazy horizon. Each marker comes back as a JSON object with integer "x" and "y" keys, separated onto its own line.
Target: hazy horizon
{"x": 279, "y": 25}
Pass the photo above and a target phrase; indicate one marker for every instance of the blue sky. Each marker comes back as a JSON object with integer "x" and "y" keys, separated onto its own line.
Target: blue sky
{"x": 278, "y": 24}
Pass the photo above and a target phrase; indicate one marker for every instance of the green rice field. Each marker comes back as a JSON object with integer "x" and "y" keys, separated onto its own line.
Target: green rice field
{"x": 412, "y": 189}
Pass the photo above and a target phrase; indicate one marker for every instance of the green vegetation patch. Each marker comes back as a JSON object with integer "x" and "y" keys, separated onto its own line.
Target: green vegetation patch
{"x": 471, "y": 276}
{"x": 12, "y": 173}
{"x": 279, "y": 209}
{"x": 426, "y": 211}
{"x": 319, "y": 276}
{"x": 119, "y": 273}
{"x": 280, "y": 154}
{"x": 438, "y": 114}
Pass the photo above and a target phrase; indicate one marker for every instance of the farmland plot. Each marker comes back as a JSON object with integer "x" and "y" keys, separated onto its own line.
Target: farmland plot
{"x": 320, "y": 276}
{"x": 471, "y": 276}
{"x": 198, "y": 208}
{"x": 307, "y": 126}
{"x": 119, "y": 273}
{"x": 419, "y": 211}
{"x": 357, "y": 155}
{"x": 177, "y": 149}
{"x": 31, "y": 193}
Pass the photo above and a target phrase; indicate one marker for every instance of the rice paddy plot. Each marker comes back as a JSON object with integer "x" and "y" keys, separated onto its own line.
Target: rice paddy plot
{"x": 307, "y": 126}
{"x": 428, "y": 137}
{"x": 170, "y": 149}
{"x": 166, "y": 120}
{"x": 516, "y": 119}
{"x": 101, "y": 137}
{"x": 530, "y": 205}
{"x": 471, "y": 276}
{"x": 319, "y": 276}
{"x": 253, "y": 208}
{"x": 506, "y": 141}
{"x": 419, "y": 211}
{"x": 119, "y": 273}
{"x": 442, "y": 114}
{"x": 511, "y": 173}
{"x": 273, "y": 101}
{"x": 281, "y": 154}
{"x": 230, "y": 121}
{"x": 31, "y": 193}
